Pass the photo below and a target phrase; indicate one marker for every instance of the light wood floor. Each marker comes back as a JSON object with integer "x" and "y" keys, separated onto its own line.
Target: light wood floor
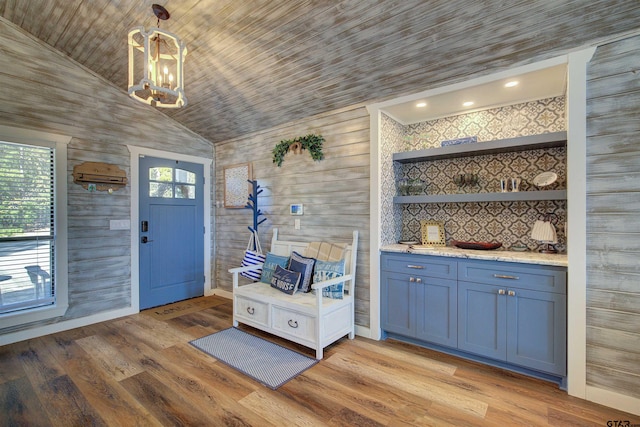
{"x": 140, "y": 370}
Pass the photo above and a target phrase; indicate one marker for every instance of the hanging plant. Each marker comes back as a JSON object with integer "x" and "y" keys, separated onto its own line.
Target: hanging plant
{"x": 311, "y": 143}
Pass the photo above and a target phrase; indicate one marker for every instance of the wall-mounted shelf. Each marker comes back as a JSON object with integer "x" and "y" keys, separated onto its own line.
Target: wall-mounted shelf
{"x": 102, "y": 176}
{"x": 522, "y": 143}
{"x": 484, "y": 197}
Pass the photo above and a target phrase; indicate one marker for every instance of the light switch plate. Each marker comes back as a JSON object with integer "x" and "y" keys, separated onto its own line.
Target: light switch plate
{"x": 119, "y": 224}
{"x": 296, "y": 224}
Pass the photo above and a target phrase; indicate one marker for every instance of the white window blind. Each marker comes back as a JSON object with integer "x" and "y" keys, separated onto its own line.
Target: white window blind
{"x": 27, "y": 227}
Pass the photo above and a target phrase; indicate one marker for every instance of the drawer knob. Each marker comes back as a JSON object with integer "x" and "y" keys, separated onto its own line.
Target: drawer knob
{"x": 251, "y": 310}
{"x": 418, "y": 280}
{"x": 417, "y": 267}
{"x": 293, "y": 323}
{"x": 501, "y": 291}
{"x": 412, "y": 279}
{"x": 512, "y": 293}
{"x": 503, "y": 276}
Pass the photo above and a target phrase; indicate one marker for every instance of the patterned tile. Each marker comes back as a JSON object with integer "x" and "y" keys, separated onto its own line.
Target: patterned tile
{"x": 509, "y": 223}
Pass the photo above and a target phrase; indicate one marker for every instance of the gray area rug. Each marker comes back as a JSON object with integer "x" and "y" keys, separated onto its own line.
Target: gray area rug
{"x": 264, "y": 361}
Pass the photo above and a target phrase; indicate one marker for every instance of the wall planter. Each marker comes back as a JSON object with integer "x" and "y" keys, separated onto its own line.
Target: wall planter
{"x": 311, "y": 143}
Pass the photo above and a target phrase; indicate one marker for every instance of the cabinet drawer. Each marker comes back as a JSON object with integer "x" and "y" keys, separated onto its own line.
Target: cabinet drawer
{"x": 526, "y": 276}
{"x": 428, "y": 266}
{"x": 249, "y": 309}
{"x": 294, "y": 323}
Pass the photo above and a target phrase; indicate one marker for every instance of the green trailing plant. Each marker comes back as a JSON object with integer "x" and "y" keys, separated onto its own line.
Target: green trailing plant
{"x": 312, "y": 143}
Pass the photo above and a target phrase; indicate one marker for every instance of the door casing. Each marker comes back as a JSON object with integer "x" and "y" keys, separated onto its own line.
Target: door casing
{"x": 136, "y": 152}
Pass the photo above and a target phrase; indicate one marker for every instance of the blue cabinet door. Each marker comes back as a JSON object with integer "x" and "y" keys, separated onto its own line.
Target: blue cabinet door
{"x": 536, "y": 330}
{"x": 482, "y": 319}
{"x": 398, "y": 304}
{"x": 437, "y": 311}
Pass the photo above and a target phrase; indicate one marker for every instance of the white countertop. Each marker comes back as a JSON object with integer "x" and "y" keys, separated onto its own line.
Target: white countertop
{"x": 500, "y": 254}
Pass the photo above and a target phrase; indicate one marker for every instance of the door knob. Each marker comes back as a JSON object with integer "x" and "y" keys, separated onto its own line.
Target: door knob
{"x": 145, "y": 239}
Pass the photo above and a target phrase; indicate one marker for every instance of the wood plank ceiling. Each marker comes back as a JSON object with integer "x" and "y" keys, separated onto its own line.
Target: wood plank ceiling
{"x": 254, "y": 64}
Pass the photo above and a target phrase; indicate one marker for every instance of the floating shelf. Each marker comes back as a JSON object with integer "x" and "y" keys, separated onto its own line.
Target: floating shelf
{"x": 522, "y": 143}
{"x": 517, "y": 196}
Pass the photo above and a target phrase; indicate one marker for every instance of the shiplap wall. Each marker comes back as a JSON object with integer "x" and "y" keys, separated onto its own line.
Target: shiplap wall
{"x": 334, "y": 192}
{"x": 46, "y": 91}
{"x": 613, "y": 228}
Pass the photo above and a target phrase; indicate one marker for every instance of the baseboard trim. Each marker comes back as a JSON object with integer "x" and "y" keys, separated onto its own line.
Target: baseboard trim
{"x": 53, "y": 328}
{"x": 222, "y": 293}
{"x": 613, "y": 400}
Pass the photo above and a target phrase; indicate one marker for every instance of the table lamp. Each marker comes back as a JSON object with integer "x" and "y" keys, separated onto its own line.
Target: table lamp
{"x": 545, "y": 232}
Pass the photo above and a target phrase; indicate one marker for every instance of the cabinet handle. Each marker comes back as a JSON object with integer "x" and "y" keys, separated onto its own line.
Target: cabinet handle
{"x": 502, "y": 276}
{"x": 251, "y": 310}
{"x": 418, "y": 280}
{"x": 512, "y": 293}
{"x": 417, "y": 267}
{"x": 501, "y": 292}
{"x": 412, "y": 279}
{"x": 293, "y": 323}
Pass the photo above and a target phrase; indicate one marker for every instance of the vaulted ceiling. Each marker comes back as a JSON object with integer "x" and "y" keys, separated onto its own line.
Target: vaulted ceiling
{"x": 254, "y": 64}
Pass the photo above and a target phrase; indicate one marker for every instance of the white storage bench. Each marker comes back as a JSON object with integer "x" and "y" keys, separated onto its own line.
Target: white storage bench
{"x": 309, "y": 318}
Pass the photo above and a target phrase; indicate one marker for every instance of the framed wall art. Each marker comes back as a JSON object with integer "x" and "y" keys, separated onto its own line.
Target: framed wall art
{"x": 432, "y": 233}
{"x": 236, "y": 185}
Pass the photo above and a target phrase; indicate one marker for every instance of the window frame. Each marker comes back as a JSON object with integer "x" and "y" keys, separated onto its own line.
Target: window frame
{"x": 59, "y": 143}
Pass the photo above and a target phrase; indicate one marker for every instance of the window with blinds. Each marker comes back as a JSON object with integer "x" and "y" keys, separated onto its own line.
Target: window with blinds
{"x": 27, "y": 227}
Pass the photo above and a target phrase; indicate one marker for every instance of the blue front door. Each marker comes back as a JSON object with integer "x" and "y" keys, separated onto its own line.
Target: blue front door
{"x": 171, "y": 231}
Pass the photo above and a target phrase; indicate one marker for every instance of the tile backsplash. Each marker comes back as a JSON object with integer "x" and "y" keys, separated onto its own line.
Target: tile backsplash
{"x": 506, "y": 222}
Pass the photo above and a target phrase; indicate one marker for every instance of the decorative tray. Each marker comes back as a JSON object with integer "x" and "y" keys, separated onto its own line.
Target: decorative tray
{"x": 476, "y": 245}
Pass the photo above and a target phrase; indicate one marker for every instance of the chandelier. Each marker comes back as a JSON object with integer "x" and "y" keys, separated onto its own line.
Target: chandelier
{"x": 156, "y": 61}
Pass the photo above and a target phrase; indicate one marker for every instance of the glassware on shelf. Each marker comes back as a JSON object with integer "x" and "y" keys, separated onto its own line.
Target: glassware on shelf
{"x": 411, "y": 187}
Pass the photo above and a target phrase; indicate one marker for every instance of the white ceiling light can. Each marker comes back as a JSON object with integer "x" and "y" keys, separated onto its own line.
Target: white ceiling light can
{"x": 512, "y": 83}
{"x": 156, "y": 64}
{"x": 467, "y": 104}
{"x": 421, "y": 104}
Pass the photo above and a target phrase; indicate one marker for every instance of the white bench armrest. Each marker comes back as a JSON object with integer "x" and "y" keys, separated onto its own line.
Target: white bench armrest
{"x": 237, "y": 270}
{"x": 335, "y": 281}
{"x": 245, "y": 268}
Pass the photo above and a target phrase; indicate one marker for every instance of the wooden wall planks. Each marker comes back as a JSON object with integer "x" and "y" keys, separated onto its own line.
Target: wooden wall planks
{"x": 44, "y": 90}
{"x": 334, "y": 191}
{"x": 613, "y": 189}
{"x": 283, "y": 61}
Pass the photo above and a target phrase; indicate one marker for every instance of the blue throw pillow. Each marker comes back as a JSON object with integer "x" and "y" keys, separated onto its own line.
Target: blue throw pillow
{"x": 285, "y": 280}
{"x": 325, "y": 270}
{"x": 304, "y": 266}
{"x": 270, "y": 263}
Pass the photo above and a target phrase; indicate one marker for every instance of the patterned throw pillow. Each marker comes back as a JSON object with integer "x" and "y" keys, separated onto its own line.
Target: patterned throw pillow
{"x": 270, "y": 264}
{"x": 304, "y": 266}
{"x": 325, "y": 270}
{"x": 285, "y": 280}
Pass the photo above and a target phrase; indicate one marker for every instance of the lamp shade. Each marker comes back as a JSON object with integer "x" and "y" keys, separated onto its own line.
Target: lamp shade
{"x": 156, "y": 61}
{"x": 544, "y": 231}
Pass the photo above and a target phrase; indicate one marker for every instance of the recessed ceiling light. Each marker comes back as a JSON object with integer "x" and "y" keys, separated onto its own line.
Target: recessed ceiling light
{"x": 467, "y": 104}
{"x": 512, "y": 83}
{"x": 421, "y": 104}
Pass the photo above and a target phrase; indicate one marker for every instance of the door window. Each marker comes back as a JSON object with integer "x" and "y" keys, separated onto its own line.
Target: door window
{"x": 172, "y": 183}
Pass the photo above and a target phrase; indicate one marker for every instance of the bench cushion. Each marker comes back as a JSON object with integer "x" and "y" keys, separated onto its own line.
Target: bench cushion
{"x": 304, "y": 266}
{"x": 285, "y": 280}
{"x": 272, "y": 260}
{"x": 325, "y": 251}
{"x": 325, "y": 270}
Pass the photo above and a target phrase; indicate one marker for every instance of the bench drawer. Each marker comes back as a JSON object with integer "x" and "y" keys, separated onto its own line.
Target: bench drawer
{"x": 294, "y": 323}
{"x": 255, "y": 311}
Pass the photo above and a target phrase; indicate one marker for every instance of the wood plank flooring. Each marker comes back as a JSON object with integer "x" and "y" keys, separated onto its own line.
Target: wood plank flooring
{"x": 141, "y": 371}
